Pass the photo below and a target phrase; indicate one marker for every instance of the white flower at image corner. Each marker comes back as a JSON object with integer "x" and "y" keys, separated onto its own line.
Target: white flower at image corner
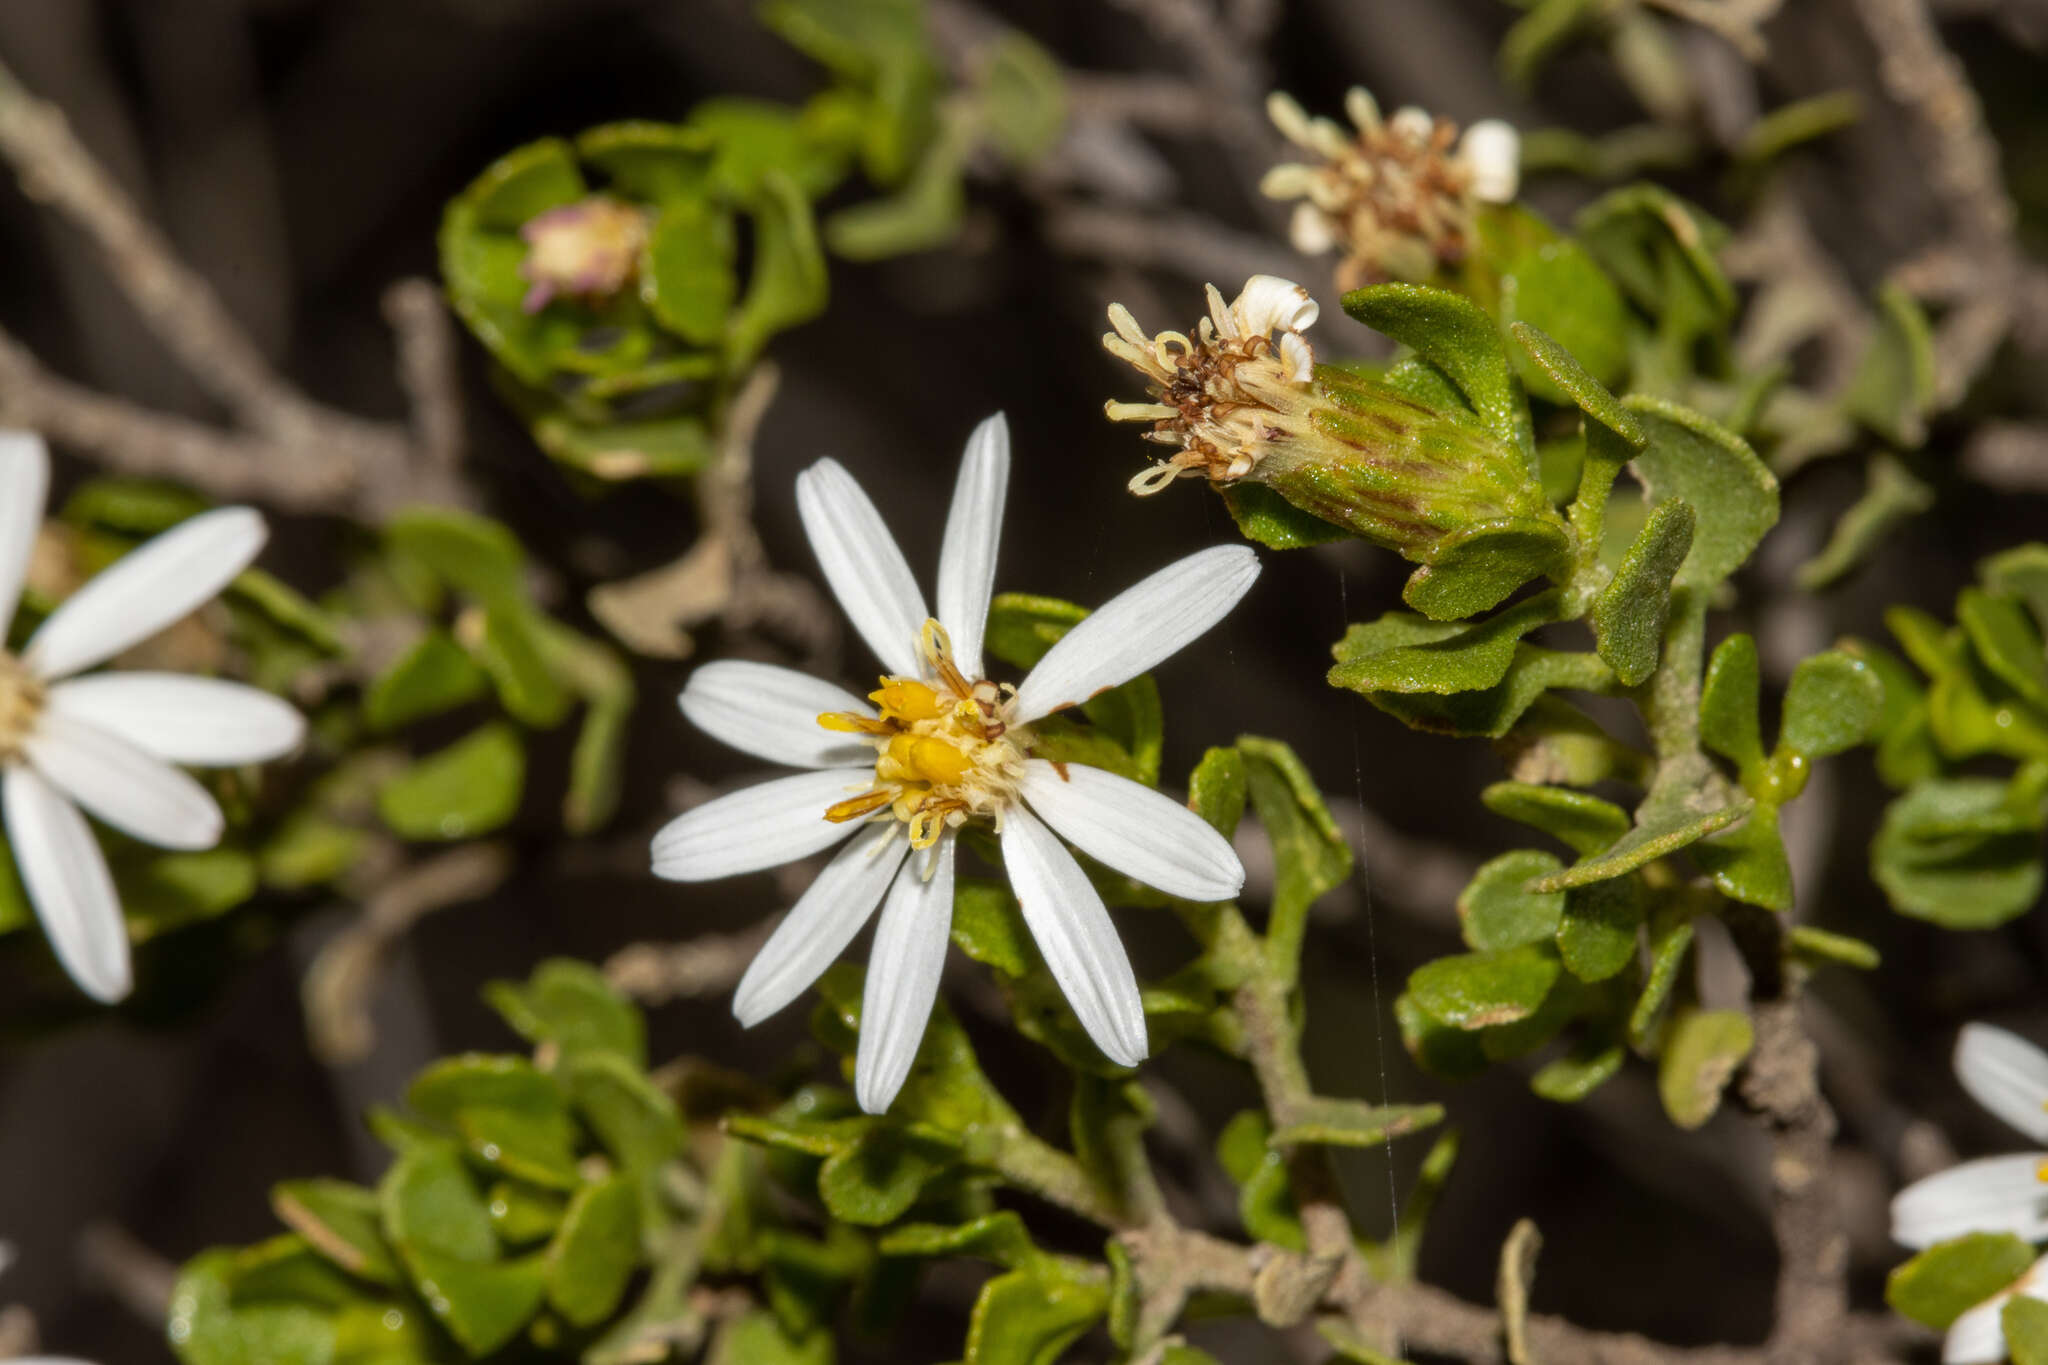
{"x": 943, "y": 746}
{"x": 107, "y": 743}
{"x": 2009, "y": 1077}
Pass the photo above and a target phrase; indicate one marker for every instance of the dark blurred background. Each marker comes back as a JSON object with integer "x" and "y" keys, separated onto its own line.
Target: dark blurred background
{"x": 299, "y": 154}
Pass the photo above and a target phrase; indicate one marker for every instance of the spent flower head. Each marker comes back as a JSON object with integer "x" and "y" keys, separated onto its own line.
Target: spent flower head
{"x": 589, "y": 249}
{"x": 935, "y": 747}
{"x": 109, "y": 742}
{"x": 1396, "y": 195}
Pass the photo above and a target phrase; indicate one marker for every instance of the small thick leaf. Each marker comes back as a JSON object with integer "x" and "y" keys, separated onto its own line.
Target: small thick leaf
{"x": 1596, "y": 938}
{"x": 1477, "y": 568}
{"x": 341, "y": 1222}
{"x": 1891, "y": 495}
{"x": 1580, "y": 820}
{"x": 1833, "y": 703}
{"x": 1893, "y": 390}
{"x": 1354, "y": 1123}
{"x": 1310, "y": 854}
{"x": 1748, "y": 861}
{"x": 510, "y": 654}
{"x": 207, "y": 1327}
{"x": 570, "y": 1004}
{"x": 1266, "y": 518}
{"x": 1571, "y": 379}
{"x": 1403, "y": 653}
{"x": 1818, "y": 945}
{"x": 2006, "y": 639}
{"x": 1265, "y": 1196}
{"x": 1629, "y": 617}
{"x": 758, "y": 1338}
{"x": 469, "y": 788}
{"x": 1729, "y": 699}
{"x": 1029, "y": 1317}
{"x": 1671, "y": 935}
{"x": 1957, "y": 853}
{"x": 1438, "y": 1048}
{"x": 1219, "y": 788}
{"x": 1577, "y": 1074}
{"x": 1000, "y": 1237}
{"x": 482, "y": 1306}
{"x": 686, "y": 270}
{"x": 788, "y": 285}
{"x": 1941, "y": 1283}
{"x": 435, "y": 675}
{"x": 876, "y": 1179}
{"x": 1494, "y": 711}
{"x": 989, "y": 927}
{"x": 428, "y": 1203}
{"x": 1680, "y": 810}
{"x": 1497, "y": 911}
{"x": 1550, "y": 284}
{"x": 2025, "y": 1321}
{"x": 596, "y": 1251}
{"x": 474, "y": 555}
{"x": 1734, "y": 495}
{"x": 1702, "y": 1048}
{"x": 1481, "y": 990}
{"x": 637, "y": 1123}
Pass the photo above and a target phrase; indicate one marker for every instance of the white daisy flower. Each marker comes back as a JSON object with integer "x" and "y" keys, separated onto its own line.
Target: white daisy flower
{"x": 892, "y": 783}
{"x": 2008, "y": 1076}
{"x": 107, "y": 742}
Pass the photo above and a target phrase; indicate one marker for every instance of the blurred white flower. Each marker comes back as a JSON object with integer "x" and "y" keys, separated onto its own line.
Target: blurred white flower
{"x": 943, "y": 746}
{"x": 108, "y": 742}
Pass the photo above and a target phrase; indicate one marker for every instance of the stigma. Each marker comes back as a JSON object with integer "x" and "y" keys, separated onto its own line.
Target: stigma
{"x": 945, "y": 750}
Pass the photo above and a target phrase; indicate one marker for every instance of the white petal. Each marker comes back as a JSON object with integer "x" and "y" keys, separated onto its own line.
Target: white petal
{"x": 821, "y": 923}
{"x": 1493, "y": 149}
{"x": 974, "y": 528}
{"x": 149, "y": 588}
{"x": 1134, "y": 829}
{"x": 1995, "y": 1194}
{"x": 1267, "y": 301}
{"x": 1412, "y": 123}
{"x": 1297, "y": 357}
{"x": 24, "y": 484}
{"x": 772, "y": 713}
{"x": 135, "y": 792}
{"x": 1363, "y": 109}
{"x": 903, "y": 975}
{"x": 2007, "y": 1075}
{"x": 1978, "y": 1336}
{"x": 207, "y": 722}
{"x": 763, "y": 826}
{"x": 1074, "y": 933}
{"x": 68, "y": 881}
{"x": 862, "y": 565}
{"x": 1138, "y": 628}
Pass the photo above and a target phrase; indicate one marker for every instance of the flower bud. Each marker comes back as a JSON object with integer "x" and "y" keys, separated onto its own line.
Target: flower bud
{"x": 1244, "y": 405}
{"x": 589, "y": 249}
{"x": 1397, "y": 196}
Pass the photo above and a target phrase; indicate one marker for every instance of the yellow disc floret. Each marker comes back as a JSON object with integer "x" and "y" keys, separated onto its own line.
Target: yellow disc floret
{"x": 945, "y": 751}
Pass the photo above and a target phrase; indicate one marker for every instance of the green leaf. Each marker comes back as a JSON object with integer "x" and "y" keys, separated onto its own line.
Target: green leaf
{"x": 875, "y": 1179}
{"x": 1748, "y": 861}
{"x": 637, "y": 1123}
{"x": 595, "y": 1252}
{"x": 1354, "y": 1123}
{"x": 653, "y": 163}
{"x": 1728, "y": 705}
{"x": 306, "y": 851}
{"x": 1691, "y": 458}
{"x": 469, "y": 788}
{"x": 523, "y": 1214}
{"x": 1893, "y": 390}
{"x": 1833, "y": 703}
{"x": 1450, "y": 332}
{"x": 207, "y": 1328}
{"x": 1023, "y": 97}
{"x": 429, "y": 1204}
{"x": 1476, "y": 568}
{"x": 1403, "y": 653}
{"x": 1265, "y": 1194}
{"x": 1551, "y": 285}
{"x": 1534, "y": 38}
{"x": 1596, "y": 938}
{"x": 788, "y": 284}
{"x": 170, "y": 890}
{"x": 1957, "y": 853}
{"x": 1219, "y": 788}
{"x": 686, "y": 271}
{"x": 1797, "y": 122}
{"x": 510, "y": 654}
{"x": 1494, "y": 711}
{"x": 989, "y": 928}
{"x": 1000, "y": 1237}
{"x": 654, "y": 447}
{"x": 1943, "y": 1282}
{"x": 1629, "y": 617}
{"x": 1660, "y": 250}
{"x": 924, "y": 214}
{"x": 474, "y": 555}
{"x": 1702, "y": 1048}
{"x": 1891, "y": 495}
{"x": 435, "y": 675}
{"x": 2020, "y": 572}
{"x": 1438, "y": 1048}
{"x": 1481, "y": 990}
{"x": 1588, "y": 1066}
{"x": 571, "y": 1005}
{"x": 757, "y": 1338}
{"x": 2006, "y": 640}
{"x": 1030, "y": 1317}
{"x": 1680, "y": 810}
{"x": 1310, "y": 855}
{"x": 1579, "y": 819}
{"x": 341, "y": 1222}
{"x": 2025, "y": 1321}
{"x": 1671, "y": 935}
{"x": 1576, "y": 385}
{"x": 1021, "y": 628}
{"x": 482, "y": 1306}
{"x": 1496, "y": 911}
{"x": 1818, "y": 945}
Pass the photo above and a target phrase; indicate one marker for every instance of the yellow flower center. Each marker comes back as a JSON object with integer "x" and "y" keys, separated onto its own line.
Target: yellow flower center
{"x": 21, "y": 701}
{"x": 945, "y": 751}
